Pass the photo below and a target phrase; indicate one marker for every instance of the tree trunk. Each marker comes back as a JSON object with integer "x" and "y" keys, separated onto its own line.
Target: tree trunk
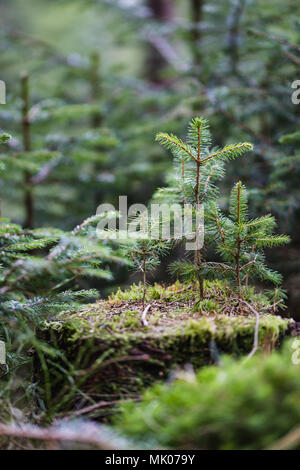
{"x": 161, "y": 11}
{"x": 196, "y": 13}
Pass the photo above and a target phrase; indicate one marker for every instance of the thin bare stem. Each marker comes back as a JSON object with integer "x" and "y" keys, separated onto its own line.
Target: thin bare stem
{"x": 238, "y": 241}
{"x": 256, "y": 330}
{"x": 144, "y": 273}
{"x": 197, "y": 256}
{"x": 56, "y": 435}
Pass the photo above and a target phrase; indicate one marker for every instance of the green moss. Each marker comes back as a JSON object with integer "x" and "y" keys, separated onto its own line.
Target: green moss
{"x": 155, "y": 292}
{"x": 239, "y": 405}
{"x": 131, "y": 319}
{"x": 207, "y": 306}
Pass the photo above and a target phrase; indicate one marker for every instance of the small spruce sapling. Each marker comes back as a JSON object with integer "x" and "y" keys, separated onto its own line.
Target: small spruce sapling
{"x": 197, "y": 168}
{"x": 240, "y": 242}
{"x": 143, "y": 252}
{"x": 43, "y": 156}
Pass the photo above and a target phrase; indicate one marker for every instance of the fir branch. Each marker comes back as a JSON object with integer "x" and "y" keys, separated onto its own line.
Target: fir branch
{"x": 174, "y": 143}
{"x": 230, "y": 152}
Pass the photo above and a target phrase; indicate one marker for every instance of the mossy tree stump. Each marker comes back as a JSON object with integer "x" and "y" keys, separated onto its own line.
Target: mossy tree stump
{"x": 105, "y": 353}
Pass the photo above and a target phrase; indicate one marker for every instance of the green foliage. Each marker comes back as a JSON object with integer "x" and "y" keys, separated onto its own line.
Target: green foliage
{"x": 41, "y": 157}
{"x": 284, "y": 190}
{"x": 239, "y": 405}
{"x": 290, "y": 138}
{"x": 240, "y": 241}
{"x": 43, "y": 273}
{"x": 4, "y": 138}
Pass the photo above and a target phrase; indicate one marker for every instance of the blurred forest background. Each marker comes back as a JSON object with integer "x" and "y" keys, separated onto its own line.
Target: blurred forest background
{"x": 97, "y": 79}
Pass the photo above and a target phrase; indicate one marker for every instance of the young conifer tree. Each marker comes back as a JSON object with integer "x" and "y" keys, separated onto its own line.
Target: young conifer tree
{"x": 37, "y": 265}
{"x": 197, "y": 169}
{"x": 240, "y": 241}
{"x": 144, "y": 252}
{"x": 45, "y": 164}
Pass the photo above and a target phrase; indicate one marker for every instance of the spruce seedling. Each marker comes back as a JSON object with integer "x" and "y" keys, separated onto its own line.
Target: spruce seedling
{"x": 197, "y": 168}
{"x": 144, "y": 252}
{"x": 240, "y": 241}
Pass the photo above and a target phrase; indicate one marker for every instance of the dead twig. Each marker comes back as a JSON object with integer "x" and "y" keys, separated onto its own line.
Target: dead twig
{"x": 96, "y": 406}
{"x": 144, "y": 321}
{"x": 26, "y": 431}
{"x": 255, "y": 343}
{"x": 45, "y": 171}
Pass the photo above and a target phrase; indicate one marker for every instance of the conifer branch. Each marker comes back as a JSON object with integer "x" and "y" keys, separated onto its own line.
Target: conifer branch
{"x": 230, "y": 151}
{"x": 171, "y": 142}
